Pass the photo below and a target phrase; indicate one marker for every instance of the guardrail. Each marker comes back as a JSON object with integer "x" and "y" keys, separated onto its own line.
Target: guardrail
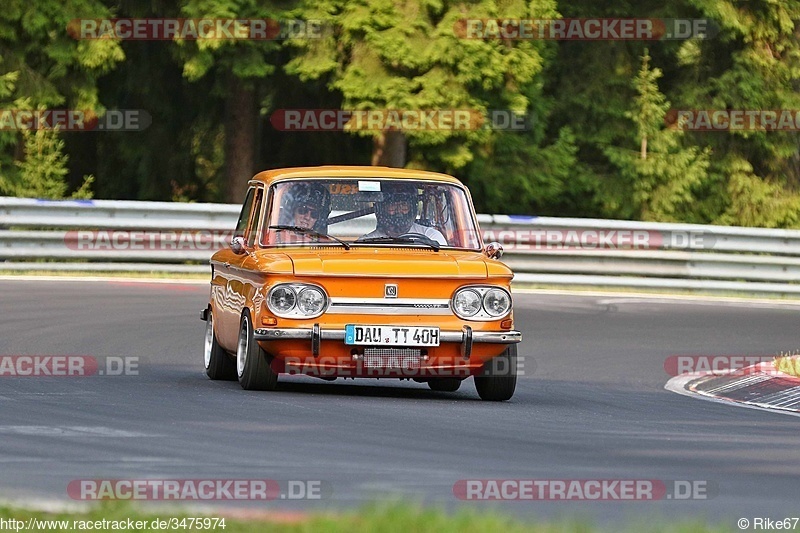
{"x": 44, "y": 235}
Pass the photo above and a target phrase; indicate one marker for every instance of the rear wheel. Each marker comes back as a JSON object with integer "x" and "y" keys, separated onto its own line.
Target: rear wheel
{"x": 498, "y": 380}
{"x": 217, "y": 362}
{"x": 252, "y": 363}
{"x": 444, "y": 384}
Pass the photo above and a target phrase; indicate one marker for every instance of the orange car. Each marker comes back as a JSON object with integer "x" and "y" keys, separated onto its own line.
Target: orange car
{"x": 340, "y": 272}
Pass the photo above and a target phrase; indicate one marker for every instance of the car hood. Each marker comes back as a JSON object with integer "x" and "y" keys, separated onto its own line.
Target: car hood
{"x": 393, "y": 262}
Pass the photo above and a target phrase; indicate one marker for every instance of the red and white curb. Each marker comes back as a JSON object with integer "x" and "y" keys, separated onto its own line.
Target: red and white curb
{"x": 759, "y": 386}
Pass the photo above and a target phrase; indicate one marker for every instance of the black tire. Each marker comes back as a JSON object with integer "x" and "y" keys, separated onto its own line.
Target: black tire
{"x": 498, "y": 379}
{"x": 252, "y": 363}
{"x": 444, "y": 384}
{"x": 217, "y": 362}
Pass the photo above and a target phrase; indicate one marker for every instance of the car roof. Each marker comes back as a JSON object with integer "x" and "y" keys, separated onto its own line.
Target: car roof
{"x": 335, "y": 171}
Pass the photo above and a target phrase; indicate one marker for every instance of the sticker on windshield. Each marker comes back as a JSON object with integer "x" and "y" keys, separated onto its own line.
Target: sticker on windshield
{"x": 369, "y": 186}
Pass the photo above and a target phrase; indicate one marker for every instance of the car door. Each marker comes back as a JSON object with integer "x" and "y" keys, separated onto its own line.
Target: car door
{"x": 230, "y": 271}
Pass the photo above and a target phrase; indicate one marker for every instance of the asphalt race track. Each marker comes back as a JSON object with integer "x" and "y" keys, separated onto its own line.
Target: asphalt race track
{"x": 591, "y": 405}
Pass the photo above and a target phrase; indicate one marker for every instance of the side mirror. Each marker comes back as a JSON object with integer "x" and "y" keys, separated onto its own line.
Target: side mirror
{"x": 238, "y": 245}
{"x": 493, "y": 250}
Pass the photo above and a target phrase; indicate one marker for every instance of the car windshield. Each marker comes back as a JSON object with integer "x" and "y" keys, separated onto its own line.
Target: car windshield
{"x": 369, "y": 212}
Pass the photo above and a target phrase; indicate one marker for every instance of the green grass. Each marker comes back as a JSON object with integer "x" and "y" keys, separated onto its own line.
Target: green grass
{"x": 379, "y": 518}
{"x": 788, "y": 364}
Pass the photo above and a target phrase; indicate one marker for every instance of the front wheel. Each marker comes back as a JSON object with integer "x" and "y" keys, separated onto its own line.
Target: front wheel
{"x": 217, "y": 362}
{"x": 498, "y": 379}
{"x": 252, "y": 363}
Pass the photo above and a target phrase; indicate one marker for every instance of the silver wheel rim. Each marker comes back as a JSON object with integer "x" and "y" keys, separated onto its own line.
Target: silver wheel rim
{"x": 242, "y": 348}
{"x": 209, "y": 341}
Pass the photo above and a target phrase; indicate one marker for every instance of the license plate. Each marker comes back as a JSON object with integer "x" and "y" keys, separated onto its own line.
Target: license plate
{"x": 391, "y": 335}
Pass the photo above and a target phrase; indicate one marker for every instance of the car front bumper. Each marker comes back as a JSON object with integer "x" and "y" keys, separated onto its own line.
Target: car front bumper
{"x": 465, "y": 337}
{"x": 492, "y": 337}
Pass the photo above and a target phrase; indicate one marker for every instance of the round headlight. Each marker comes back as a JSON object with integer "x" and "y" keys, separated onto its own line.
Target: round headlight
{"x": 467, "y": 303}
{"x": 496, "y": 302}
{"x": 282, "y": 299}
{"x": 310, "y": 301}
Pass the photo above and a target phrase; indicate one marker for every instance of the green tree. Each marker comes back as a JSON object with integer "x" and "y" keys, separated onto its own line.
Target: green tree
{"x": 42, "y": 172}
{"x": 657, "y": 181}
{"x": 8, "y": 138}
{"x": 753, "y": 63}
{"x": 382, "y": 54}
{"x": 515, "y": 173}
{"x": 45, "y": 66}
{"x": 236, "y": 71}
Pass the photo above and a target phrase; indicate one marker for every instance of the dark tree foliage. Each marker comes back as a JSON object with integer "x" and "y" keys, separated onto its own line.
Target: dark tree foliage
{"x": 601, "y": 136}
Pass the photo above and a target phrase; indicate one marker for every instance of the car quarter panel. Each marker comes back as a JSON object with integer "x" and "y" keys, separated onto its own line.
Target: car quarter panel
{"x": 237, "y": 283}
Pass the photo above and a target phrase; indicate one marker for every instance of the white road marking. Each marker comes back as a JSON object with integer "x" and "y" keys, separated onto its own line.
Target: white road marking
{"x": 70, "y": 431}
{"x": 738, "y": 383}
{"x": 678, "y": 385}
{"x": 45, "y": 505}
{"x": 782, "y": 398}
{"x": 166, "y": 281}
{"x": 755, "y": 304}
{"x": 648, "y": 297}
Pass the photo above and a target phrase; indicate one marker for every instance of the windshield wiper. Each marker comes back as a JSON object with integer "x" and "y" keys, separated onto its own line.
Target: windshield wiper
{"x": 410, "y": 238}
{"x": 309, "y": 231}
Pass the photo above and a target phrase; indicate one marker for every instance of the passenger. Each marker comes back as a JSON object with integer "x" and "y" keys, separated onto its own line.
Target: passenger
{"x": 397, "y": 214}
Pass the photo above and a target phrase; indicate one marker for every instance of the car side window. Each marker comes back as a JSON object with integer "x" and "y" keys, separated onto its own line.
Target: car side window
{"x": 255, "y": 218}
{"x": 244, "y": 215}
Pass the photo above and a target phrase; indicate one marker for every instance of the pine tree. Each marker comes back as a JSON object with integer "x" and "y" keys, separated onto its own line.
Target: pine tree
{"x": 43, "y": 170}
{"x": 662, "y": 175}
{"x": 47, "y": 66}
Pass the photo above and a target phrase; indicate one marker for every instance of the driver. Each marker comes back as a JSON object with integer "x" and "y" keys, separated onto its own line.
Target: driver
{"x": 307, "y": 206}
{"x": 310, "y": 206}
{"x": 397, "y": 214}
